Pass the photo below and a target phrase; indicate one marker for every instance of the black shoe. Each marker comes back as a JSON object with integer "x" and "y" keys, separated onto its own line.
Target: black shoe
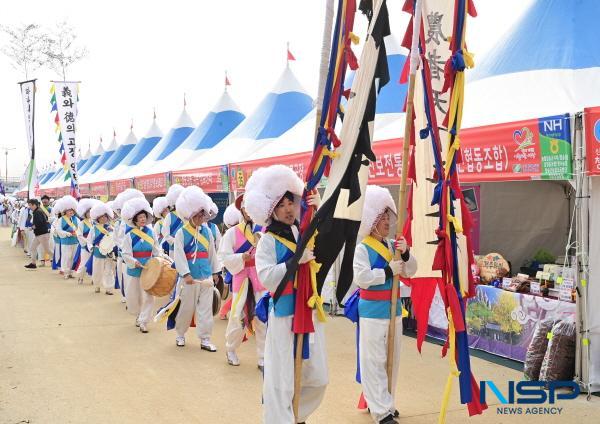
{"x": 388, "y": 420}
{"x": 31, "y": 266}
{"x": 396, "y": 413}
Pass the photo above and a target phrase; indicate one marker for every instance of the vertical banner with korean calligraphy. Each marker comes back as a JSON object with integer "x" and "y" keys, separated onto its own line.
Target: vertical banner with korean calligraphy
{"x": 65, "y": 96}
{"x": 28, "y": 97}
{"x": 437, "y": 27}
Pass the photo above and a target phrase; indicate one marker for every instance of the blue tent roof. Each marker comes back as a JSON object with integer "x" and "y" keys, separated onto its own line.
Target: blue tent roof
{"x": 104, "y": 157}
{"x": 174, "y": 138}
{"x": 224, "y": 117}
{"x": 551, "y": 34}
{"x": 144, "y": 146}
{"x": 92, "y": 160}
{"x": 280, "y": 110}
{"x": 121, "y": 152}
{"x": 392, "y": 96}
{"x": 47, "y": 177}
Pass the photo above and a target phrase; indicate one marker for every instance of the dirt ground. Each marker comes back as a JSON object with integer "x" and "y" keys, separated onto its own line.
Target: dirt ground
{"x": 68, "y": 355}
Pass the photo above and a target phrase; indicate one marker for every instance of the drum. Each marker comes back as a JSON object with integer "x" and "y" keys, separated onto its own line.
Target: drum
{"x": 216, "y": 306}
{"x": 107, "y": 244}
{"x": 158, "y": 278}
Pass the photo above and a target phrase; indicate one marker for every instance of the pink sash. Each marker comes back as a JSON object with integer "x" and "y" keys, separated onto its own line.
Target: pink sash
{"x": 249, "y": 270}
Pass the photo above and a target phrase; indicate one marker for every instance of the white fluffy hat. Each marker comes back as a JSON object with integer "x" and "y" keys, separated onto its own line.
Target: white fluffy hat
{"x": 84, "y": 206}
{"x": 99, "y": 209}
{"x": 232, "y": 216}
{"x": 133, "y": 207}
{"x": 56, "y": 209}
{"x": 159, "y": 205}
{"x": 266, "y": 187}
{"x": 377, "y": 201}
{"x": 214, "y": 210}
{"x": 173, "y": 194}
{"x": 68, "y": 202}
{"x": 130, "y": 193}
{"x": 191, "y": 201}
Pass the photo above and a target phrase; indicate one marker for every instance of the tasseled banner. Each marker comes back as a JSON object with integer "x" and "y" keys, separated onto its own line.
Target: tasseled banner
{"x": 76, "y": 258}
{"x": 89, "y": 265}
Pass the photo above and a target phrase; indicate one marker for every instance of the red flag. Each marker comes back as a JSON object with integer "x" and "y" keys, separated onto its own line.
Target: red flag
{"x": 290, "y": 56}
{"x": 227, "y": 82}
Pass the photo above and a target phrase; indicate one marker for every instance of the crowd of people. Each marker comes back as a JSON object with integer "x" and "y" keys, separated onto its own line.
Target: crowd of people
{"x": 112, "y": 244}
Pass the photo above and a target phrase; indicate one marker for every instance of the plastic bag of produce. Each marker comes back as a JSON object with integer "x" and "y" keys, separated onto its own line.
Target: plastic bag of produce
{"x": 537, "y": 350}
{"x": 559, "y": 360}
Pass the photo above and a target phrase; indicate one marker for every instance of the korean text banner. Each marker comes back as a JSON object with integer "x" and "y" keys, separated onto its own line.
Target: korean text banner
{"x": 64, "y": 100}
{"x": 28, "y": 97}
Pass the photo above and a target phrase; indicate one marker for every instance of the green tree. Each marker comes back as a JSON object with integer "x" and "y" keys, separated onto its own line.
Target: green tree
{"x": 501, "y": 314}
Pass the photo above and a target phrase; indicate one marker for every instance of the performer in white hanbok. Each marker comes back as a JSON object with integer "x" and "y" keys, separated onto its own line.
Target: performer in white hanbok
{"x": 138, "y": 247}
{"x": 83, "y": 231}
{"x": 173, "y": 221}
{"x": 103, "y": 266}
{"x": 160, "y": 208}
{"x": 236, "y": 252}
{"x": 67, "y": 231}
{"x": 374, "y": 270}
{"x": 197, "y": 265}
{"x": 272, "y": 199}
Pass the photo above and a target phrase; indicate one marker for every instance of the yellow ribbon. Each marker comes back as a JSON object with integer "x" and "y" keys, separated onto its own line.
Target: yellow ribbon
{"x": 378, "y": 247}
{"x": 197, "y": 235}
{"x": 315, "y": 301}
{"x": 146, "y": 237}
{"x": 247, "y": 231}
{"x": 102, "y": 229}
{"x": 43, "y": 208}
{"x": 70, "y": 223}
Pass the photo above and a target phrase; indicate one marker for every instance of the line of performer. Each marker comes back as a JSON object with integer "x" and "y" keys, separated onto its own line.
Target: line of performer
{"x": 174, "y": 252}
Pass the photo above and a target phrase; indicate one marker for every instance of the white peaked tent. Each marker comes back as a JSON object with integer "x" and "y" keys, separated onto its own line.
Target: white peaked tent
{"x": 174, "y": 138}
{"x": 115, "y": 159}
{"x": 93, "y": 159}
{"x": 108, "y": 153}
{"x": 223, "y": 118}
{"x": 546, "y": 64}
{"x": 120, "y": 154}
{"x": 138, "y": 153}
{"x": 389, "y": 119}
{"x": 284, "y": 106}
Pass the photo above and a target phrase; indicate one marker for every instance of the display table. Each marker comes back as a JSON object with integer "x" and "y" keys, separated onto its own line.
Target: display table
{"x": 501, "y": 322}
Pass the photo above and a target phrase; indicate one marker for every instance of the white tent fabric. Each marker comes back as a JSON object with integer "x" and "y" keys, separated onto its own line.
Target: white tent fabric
{"x": 283, "y": 107}
{"x": 153, "y": 161}
{"x": 138, "y": 153}
{"x": 105, "y": 157}
{"x": 223, "y": 118}
{"x": 111, "y": 162}
{"x": 547, "y": 64}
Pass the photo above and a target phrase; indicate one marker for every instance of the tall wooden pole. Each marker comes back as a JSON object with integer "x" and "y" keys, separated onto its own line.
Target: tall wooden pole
{"x": 414, "y": 61}
{"x": 324, "y": 66}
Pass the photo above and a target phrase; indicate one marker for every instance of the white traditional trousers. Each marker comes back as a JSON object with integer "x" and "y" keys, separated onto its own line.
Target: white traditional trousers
{"x": 278, "y": 386}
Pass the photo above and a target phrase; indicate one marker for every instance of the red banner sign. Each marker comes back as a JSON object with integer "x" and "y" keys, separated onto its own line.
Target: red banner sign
{"x": 152, "y": 184}
{"x": 99, "y": 189}
{"x": 116, "y": 187}
{"x": 240, "y": 172}
{"x": 212, "y": 180}
{"x": 592, "y": 139}
{"x": 84, "y": 189}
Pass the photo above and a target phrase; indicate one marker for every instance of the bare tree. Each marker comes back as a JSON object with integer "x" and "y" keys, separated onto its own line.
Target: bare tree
{"x": 60, "y": 49}
{"x": 24, "y": 47}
